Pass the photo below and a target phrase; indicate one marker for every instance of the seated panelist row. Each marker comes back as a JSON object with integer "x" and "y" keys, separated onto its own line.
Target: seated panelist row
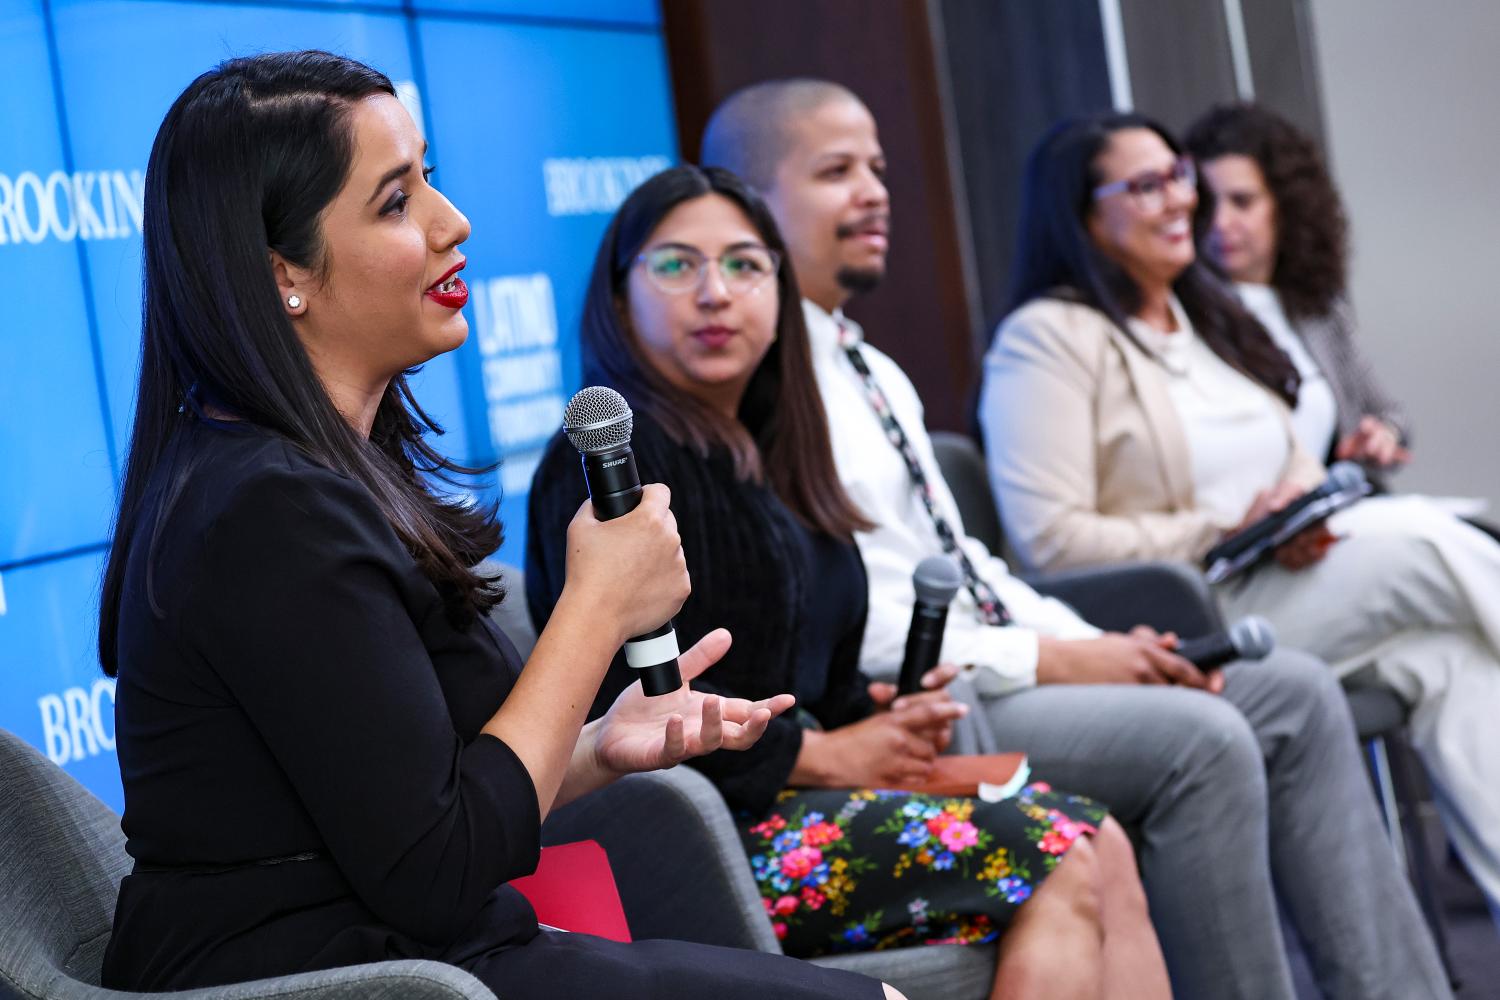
{"x": 302, "y": 648}
{"x": 1170, "y": 424}
{"x": 694, "y": 314}
{"x": 1264, "y": 756}
{"x": 303, "y": 651}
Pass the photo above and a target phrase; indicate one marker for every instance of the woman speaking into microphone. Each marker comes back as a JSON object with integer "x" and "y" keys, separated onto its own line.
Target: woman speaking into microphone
{"x": 329, "y": 754}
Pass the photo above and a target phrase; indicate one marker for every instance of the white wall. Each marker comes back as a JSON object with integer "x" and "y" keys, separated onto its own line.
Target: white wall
{"x": 1412, "y": 99}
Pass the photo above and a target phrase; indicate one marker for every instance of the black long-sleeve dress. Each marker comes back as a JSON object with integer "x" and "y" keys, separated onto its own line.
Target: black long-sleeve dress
{"x": 306, "y": 785}
{"x": 837, "y": 869}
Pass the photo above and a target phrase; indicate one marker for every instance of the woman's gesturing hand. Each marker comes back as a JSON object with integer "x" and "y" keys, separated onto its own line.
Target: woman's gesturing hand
{"x": 644, "y": 734}
{"x": 631, "y": 569}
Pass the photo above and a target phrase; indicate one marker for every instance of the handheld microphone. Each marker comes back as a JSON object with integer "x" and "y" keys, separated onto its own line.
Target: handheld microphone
{"x": 1250, "y": 638}
{"x": 598, "y": 422}
{"x": 936, "y": 580}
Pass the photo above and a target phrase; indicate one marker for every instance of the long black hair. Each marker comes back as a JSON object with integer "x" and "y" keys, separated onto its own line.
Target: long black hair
{"x": 781, "y": 434}
{"x": 1312, "y": 230}
{"x": 244, "y": 163}
{"x": 1056, "y": 258}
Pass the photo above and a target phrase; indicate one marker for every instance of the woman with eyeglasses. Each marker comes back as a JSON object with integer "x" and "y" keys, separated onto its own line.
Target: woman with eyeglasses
{"x": 693, "y": 314}
{"x": 1134, "y": 410}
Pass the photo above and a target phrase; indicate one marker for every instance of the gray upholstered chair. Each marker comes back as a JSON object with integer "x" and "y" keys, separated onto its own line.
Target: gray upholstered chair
{"x": 678, "y": 861}
{"x": 62, "y": 856}
{"x": 682, "y": 872}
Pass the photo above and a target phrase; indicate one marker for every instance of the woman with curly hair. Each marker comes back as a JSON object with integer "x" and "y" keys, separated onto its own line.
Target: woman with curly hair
{"x": 1274, "y": 223}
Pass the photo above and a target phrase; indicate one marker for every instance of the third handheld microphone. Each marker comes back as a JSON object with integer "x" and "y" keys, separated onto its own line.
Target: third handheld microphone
{"x": 1250, "y": 638}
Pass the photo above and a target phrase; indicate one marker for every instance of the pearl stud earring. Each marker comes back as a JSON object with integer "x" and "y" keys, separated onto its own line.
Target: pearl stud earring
{"x": 294, "y": 301}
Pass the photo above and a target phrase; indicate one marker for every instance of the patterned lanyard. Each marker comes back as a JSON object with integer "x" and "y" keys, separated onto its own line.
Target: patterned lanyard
{"x": 991, "y": 610}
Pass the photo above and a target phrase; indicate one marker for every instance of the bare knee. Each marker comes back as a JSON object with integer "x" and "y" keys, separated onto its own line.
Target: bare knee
{"x": 1113, "y": 845}
{"x": 1119, "y": 878}
{"x": 891, "y": 993}
{"x": 1075, "y": 884}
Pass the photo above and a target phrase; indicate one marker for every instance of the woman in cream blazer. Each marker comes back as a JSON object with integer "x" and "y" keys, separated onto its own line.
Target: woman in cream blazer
{"x": 1132, "y": 409}
{"x": 1091, "y": 459}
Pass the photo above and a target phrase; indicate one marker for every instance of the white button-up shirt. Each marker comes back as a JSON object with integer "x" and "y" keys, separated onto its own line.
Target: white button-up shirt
{"x": 875, "y": 476}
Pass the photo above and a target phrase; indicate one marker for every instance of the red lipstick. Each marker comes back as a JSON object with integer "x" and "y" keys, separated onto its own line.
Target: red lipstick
{"x": 450, "y": 290}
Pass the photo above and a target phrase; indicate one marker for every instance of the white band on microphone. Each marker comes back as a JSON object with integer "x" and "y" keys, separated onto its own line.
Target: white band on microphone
{"x": 640, "y": 653}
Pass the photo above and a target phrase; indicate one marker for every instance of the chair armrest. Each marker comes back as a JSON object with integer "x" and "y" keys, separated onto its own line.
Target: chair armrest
{"x": 677, "y": 858}
{"x": 1168, "y": 596}
{"x": 402, "y": 980}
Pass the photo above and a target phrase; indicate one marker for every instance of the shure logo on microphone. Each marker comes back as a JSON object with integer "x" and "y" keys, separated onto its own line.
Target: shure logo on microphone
{"x": 597, "y": 184}
{"x": 618, "y": 461}
{"x": 87, "y": 205}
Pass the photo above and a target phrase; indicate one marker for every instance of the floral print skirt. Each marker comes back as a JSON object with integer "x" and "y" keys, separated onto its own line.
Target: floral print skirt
{"x": 843, "y": 870}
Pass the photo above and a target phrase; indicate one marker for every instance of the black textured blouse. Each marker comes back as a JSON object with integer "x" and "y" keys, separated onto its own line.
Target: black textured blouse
{"x": 793, "y": 599}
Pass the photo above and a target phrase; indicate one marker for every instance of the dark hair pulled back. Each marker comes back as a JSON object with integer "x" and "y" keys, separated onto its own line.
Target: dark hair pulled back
{"x": 244, "y": 163}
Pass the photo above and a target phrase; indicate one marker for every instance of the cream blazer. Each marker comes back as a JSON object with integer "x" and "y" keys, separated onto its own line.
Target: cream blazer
{"x": 1086, "y": 452}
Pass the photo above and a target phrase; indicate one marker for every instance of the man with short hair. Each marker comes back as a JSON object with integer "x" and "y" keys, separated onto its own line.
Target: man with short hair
{"x": 1230, "y": 780}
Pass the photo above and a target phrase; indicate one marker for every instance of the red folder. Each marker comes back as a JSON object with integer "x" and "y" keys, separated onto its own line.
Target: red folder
{"x": 573, "y": 888}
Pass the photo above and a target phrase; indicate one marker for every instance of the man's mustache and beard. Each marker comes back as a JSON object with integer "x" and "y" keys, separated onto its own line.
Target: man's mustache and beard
{"x": 859, "y": 280}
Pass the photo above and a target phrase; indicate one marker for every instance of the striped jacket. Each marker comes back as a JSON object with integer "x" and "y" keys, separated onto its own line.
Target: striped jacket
{"x": 1331, "y": 341}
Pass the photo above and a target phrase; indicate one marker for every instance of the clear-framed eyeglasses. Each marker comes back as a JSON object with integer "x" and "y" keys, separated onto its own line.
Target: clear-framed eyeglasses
{"x": 677, "y": 269}
{"x": 1149, "y": 190}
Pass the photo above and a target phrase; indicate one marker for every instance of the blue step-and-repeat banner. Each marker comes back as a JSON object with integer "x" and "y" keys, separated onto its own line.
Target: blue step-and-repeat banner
{"x": 540, "y": 114}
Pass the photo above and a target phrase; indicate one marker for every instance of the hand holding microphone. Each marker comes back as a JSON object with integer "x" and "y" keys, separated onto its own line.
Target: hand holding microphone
{"x": 598, "y": 422}
{"x": 643, "y": 549}
{"x": 926, "y": 712}
{"x": 1250, "y": 638}
{"x": 898, "y": 746}
{"x": 935, "y": 581}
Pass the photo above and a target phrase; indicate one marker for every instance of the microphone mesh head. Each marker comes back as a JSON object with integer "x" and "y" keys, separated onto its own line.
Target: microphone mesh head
{"x": 937, "y": 579}
{"x": 598, "y": 419}
{"x": 1253, "y": 637}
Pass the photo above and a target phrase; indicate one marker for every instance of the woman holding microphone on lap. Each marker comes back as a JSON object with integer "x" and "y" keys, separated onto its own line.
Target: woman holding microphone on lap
{"x": 329, "y": 755}
{"x": 694, "y": 315}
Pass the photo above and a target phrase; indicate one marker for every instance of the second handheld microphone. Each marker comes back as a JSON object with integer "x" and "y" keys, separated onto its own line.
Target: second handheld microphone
{"x": 598, "y": 422}
{"x": 1250, "y": 638}
{"x": 936, "y": 580}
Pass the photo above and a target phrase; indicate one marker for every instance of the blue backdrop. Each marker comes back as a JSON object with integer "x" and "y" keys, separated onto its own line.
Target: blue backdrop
{"x": 540, "y": 115}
